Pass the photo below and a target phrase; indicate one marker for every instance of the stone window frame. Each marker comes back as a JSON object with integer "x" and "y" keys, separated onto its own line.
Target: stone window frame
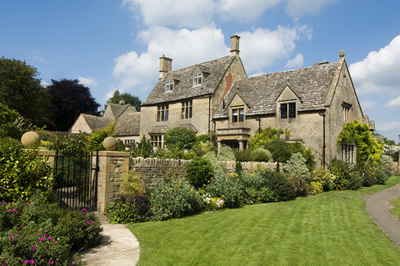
{"x": 187, "y": 109}
{"x": 197, "y": 79}
{"x": 288, "y": 110}
{"x": 169, "y": 86}
{"x": 162, "y": 112}
{"x": 237, "y": 114}
{"x": 348, "y": 152}
{"x": 157, "y": 140}
{"x": 129, "y": 142}
{"x": 346, "y": 112}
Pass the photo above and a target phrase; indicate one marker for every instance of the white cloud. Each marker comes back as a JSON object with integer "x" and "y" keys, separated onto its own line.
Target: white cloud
{"x": 296, "y": 62}
{"x": 367, "y": 105}
{"x": 188, "y": 13}
{"x": 44, "y": 83}
{"x": 243, "y": 10}
{"x": 262, "y": 47}
{"x": 394, "y": 104}
{"x": 388, "y": 126}
{"x": 379, "y": 72}
{"x": 185, "y": 47}
{"x": 299, "y": 8}
{"x": 88, "y": 81}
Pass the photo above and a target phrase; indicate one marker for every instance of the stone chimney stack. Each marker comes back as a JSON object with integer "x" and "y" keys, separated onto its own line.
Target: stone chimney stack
{"x": 235, "y": 45}
{"x": 165, "y": 66}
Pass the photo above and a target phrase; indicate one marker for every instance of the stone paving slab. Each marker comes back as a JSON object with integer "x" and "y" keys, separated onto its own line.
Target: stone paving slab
{"x": 378, "y": 207}
{"x": 118, "y": 246}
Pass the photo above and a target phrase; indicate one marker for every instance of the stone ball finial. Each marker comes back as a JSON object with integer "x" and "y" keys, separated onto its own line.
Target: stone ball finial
{"x": 341, "y": 54}
{"x": 110, "y": 144}
{"x": 30, "y": 138}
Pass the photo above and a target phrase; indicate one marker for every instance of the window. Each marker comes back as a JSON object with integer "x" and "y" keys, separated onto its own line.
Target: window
{"x": 197, "y": 79}
{"x": 186, "y": 110}
{"x": 169, "y": 86}
{"x": 346, "y": 112}
{"x": 162, "y": 112}
{"x": 288, "y": 109}
{"x": 129, "y": 142}
{"x": 348, "y": 153}
{"x": 156, "y": 140}
{"x": 237, "y": 115}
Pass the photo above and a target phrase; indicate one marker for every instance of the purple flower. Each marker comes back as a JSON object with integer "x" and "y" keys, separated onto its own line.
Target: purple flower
{"x": 25, "y": 261}
{"x": 49, "y": 238}
{"x": 4, "y": 204}
{"x": 42, "y": 239}
{"x": 85, "y": 214}
{"x": 83, "y": 210}
{"x": 11, "y": 236}
{"x": 18, "y": 210}
{"x": 12, "y": 210}
{"x": 89, "y": 222}
{"x": 51, "y": 261}
{"x": 45, "y": 235}
{"x": 33, "y": 248}
{"x": 32, "y": 261}
{"x": 27, "y": 203}
{"x": 54, "y": 240}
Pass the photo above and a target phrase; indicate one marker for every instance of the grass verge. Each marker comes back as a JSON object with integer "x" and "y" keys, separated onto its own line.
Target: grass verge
{"x": 331, "y": 228}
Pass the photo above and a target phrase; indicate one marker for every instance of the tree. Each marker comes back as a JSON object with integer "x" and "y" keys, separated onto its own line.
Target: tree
{"x": 69, "y": 99}
{"x": 21, "y": 91}
{"x": 8, "y": 128}
{"x": 126, "y": 97}
{"x": 180, "y": 138}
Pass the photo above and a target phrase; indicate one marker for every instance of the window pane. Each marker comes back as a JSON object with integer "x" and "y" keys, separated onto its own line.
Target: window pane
{"x": 284, "y": 110}
{"x": 292, "y": 110}
{"x": 234, "y": 115}
{"x": 166, "y": 115}
{"x": 241, "y": 115}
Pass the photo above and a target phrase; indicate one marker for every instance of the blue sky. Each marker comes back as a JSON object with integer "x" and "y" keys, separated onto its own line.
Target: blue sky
{"x": 117, "y": 44}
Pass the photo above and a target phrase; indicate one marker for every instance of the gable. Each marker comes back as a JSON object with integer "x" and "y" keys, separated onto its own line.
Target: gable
{"x": 287, "y": 95}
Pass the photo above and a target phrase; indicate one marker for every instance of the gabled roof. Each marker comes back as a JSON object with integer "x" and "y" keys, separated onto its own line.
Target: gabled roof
{"x": 96, "y": 122}
{"x": 118, "y": 109}
{"x": 184, "y": 88}
{"x": 310, "y": 84}
{"x": 128, "y": 123}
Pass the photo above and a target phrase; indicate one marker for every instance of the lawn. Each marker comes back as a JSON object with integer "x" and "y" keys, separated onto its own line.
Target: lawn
{"x": 331, "y": 228}
{"x": 396, "y": 207}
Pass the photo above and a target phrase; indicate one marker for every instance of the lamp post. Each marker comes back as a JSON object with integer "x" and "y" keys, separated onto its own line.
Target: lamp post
{"x": 323, "y": 114}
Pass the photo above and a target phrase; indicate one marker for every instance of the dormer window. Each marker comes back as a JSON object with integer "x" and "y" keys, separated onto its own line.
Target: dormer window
{"x": 237, "y": 115}
{"x": 197, "y": 79}
{"x": 288, "y": 110}
{"x": 169, "y": 86}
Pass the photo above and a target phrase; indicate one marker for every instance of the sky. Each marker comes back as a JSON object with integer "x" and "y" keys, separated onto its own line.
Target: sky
{"x": 109, "y": 45}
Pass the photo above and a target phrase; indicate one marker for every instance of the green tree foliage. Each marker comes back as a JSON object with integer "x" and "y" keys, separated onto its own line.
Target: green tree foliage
{"x": 199, "y": 172}
{"x": 95, "y": 141}
{"x": 264, "y": 137}
{"x": 21, "y": 91}
{"x": 143, "y": 148}
{"x": 280, "y": 150}
{"x": 69, "y": 99}
{"x": 180, "y": 138}
{"x": 368, "y": 148}
{"x": 306, "y": 152}
{"x": 8, "y": 128}
{"x": 226, "y": 153}
{"x": 126, "y": 97}
{"x": 297, "y": 166}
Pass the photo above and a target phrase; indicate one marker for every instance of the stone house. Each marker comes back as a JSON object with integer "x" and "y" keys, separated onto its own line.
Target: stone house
{"x": 125, "y": 116}
{"x": 313, "y": 103}
{"x": 189, "y": 97}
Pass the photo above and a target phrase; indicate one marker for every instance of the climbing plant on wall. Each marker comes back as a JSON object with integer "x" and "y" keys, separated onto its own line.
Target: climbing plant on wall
{"x": 368, "y": 148}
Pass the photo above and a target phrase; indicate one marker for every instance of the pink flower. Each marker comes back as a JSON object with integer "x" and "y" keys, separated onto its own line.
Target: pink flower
{"x": 45, "y": 235}
{"x": 83, "y": 210}
{"x": 11, "y": 236}
{"x": 12, "y": 210}
{"x": 51, "y": 261}
{"x": 54, "y": 240}
{"x": 89, "y": 222}
{"x": 33, "y": 248}
{"x": 32, "y": 261}
{"x": 49, "y": 238}
{"x": 27, "y": 203}
{"x": 85, "y": 214}
{"x": 4, "y": 204}
{"x": 25, "y": 261}
{"x": 18, "y": 210}
{"x": 42, "y": 239}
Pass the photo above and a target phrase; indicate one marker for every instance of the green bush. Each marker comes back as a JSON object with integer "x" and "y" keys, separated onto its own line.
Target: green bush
{"x": 129, "y": 208}
{"x": 244, "y": 155}
{"x": 69, "y": 144}
{"x": 219, "y": 171}
{"x": 225, "y": 153}
{"x": 387, "y": 162}
{"x": 306, "y": 152}
{"x": 324, "y": 178}
{"x": 174, "y": 199}
{"x": 262, "y": 138}
{"x": 280, "y": 150}
{"x": 226, "y": 187}
{"x": 316, "y": 187}
{"x": 346, "y": 176}
{"x": 261, "y": 155}
{"x": 381, "y": 176}
{"x": 199, "y": 172}
{"x": 8, "y": 128}
{"x": 297, "y": 166}
{"x": 143, "y": 149}
{"x": 179, "y": 138}
{"x": 95, "y": 141}
{"x": 256, "y": 190}
{"x": 200, "y": 148}
{"x": 22, "y": 172}
{"x": 279, "y": 184}
{"x": 300, "y": 187}
{"x": 367, "y": 174}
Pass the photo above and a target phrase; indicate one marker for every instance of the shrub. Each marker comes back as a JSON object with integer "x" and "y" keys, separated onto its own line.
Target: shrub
{"x": 256, "y": 190}
{"x": 244, "y": 155}
{"x": 212, "y": 204}
{"x": 279, "y": 184}
{"x": 366, "y": 173}
{"x": 346, "y": 176}
{"x": 22, "y": 172}
{"x": 200, "y": 148}
{"x": 226, "y": 187}
{"x": 262, "y": 138}
{"x": 174, "y": 199}
{"x": 280, "y": 150}
{"x": 381, "y": 176}
{"x": 300, "y": 187}
{"x": 316, "y": 187}
{"x": 129, "y": 208}
{"x": 132, "y": 184}
{"x": 261, "y": 155}
{"x": 95, "y": 141}
{"x": 8, "y": 128}
{"x": 297, "y": 166}
{"x": 143, "y": 149}
{"x": 199, "y": 172}
{"x": 217, "y": 167}
{"x": 387, "y": 162}
{"x": 179, "y": 138}
{"x": 324, "y": 178}
{"x": 69, "y": 144}
{"x": 306, "y": 152}
{"x": 225, "y": 153}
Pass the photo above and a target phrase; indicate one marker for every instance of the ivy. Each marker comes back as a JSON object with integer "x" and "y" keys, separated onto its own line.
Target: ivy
{"x": 368, "y": 148}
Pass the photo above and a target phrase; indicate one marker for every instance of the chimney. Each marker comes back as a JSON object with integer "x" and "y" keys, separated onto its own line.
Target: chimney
{"x": 235, "y": 45}
{"x": 165, "y": 66}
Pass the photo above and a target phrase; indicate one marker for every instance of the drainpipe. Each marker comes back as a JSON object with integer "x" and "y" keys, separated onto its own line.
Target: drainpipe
{"x": 322, "y": 113}
{"x": 209, "y": 114}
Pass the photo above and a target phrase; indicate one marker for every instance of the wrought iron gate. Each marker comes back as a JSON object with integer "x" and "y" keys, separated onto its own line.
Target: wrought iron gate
{"x": 76, "y": 178}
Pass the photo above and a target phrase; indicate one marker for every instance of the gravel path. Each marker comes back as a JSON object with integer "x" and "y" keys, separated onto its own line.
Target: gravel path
{"x": 378, "y": 207}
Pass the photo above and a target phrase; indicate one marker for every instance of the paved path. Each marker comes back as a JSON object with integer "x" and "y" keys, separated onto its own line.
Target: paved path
{"x": 378, "y": 207}
{"x": 118, "y": 247}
